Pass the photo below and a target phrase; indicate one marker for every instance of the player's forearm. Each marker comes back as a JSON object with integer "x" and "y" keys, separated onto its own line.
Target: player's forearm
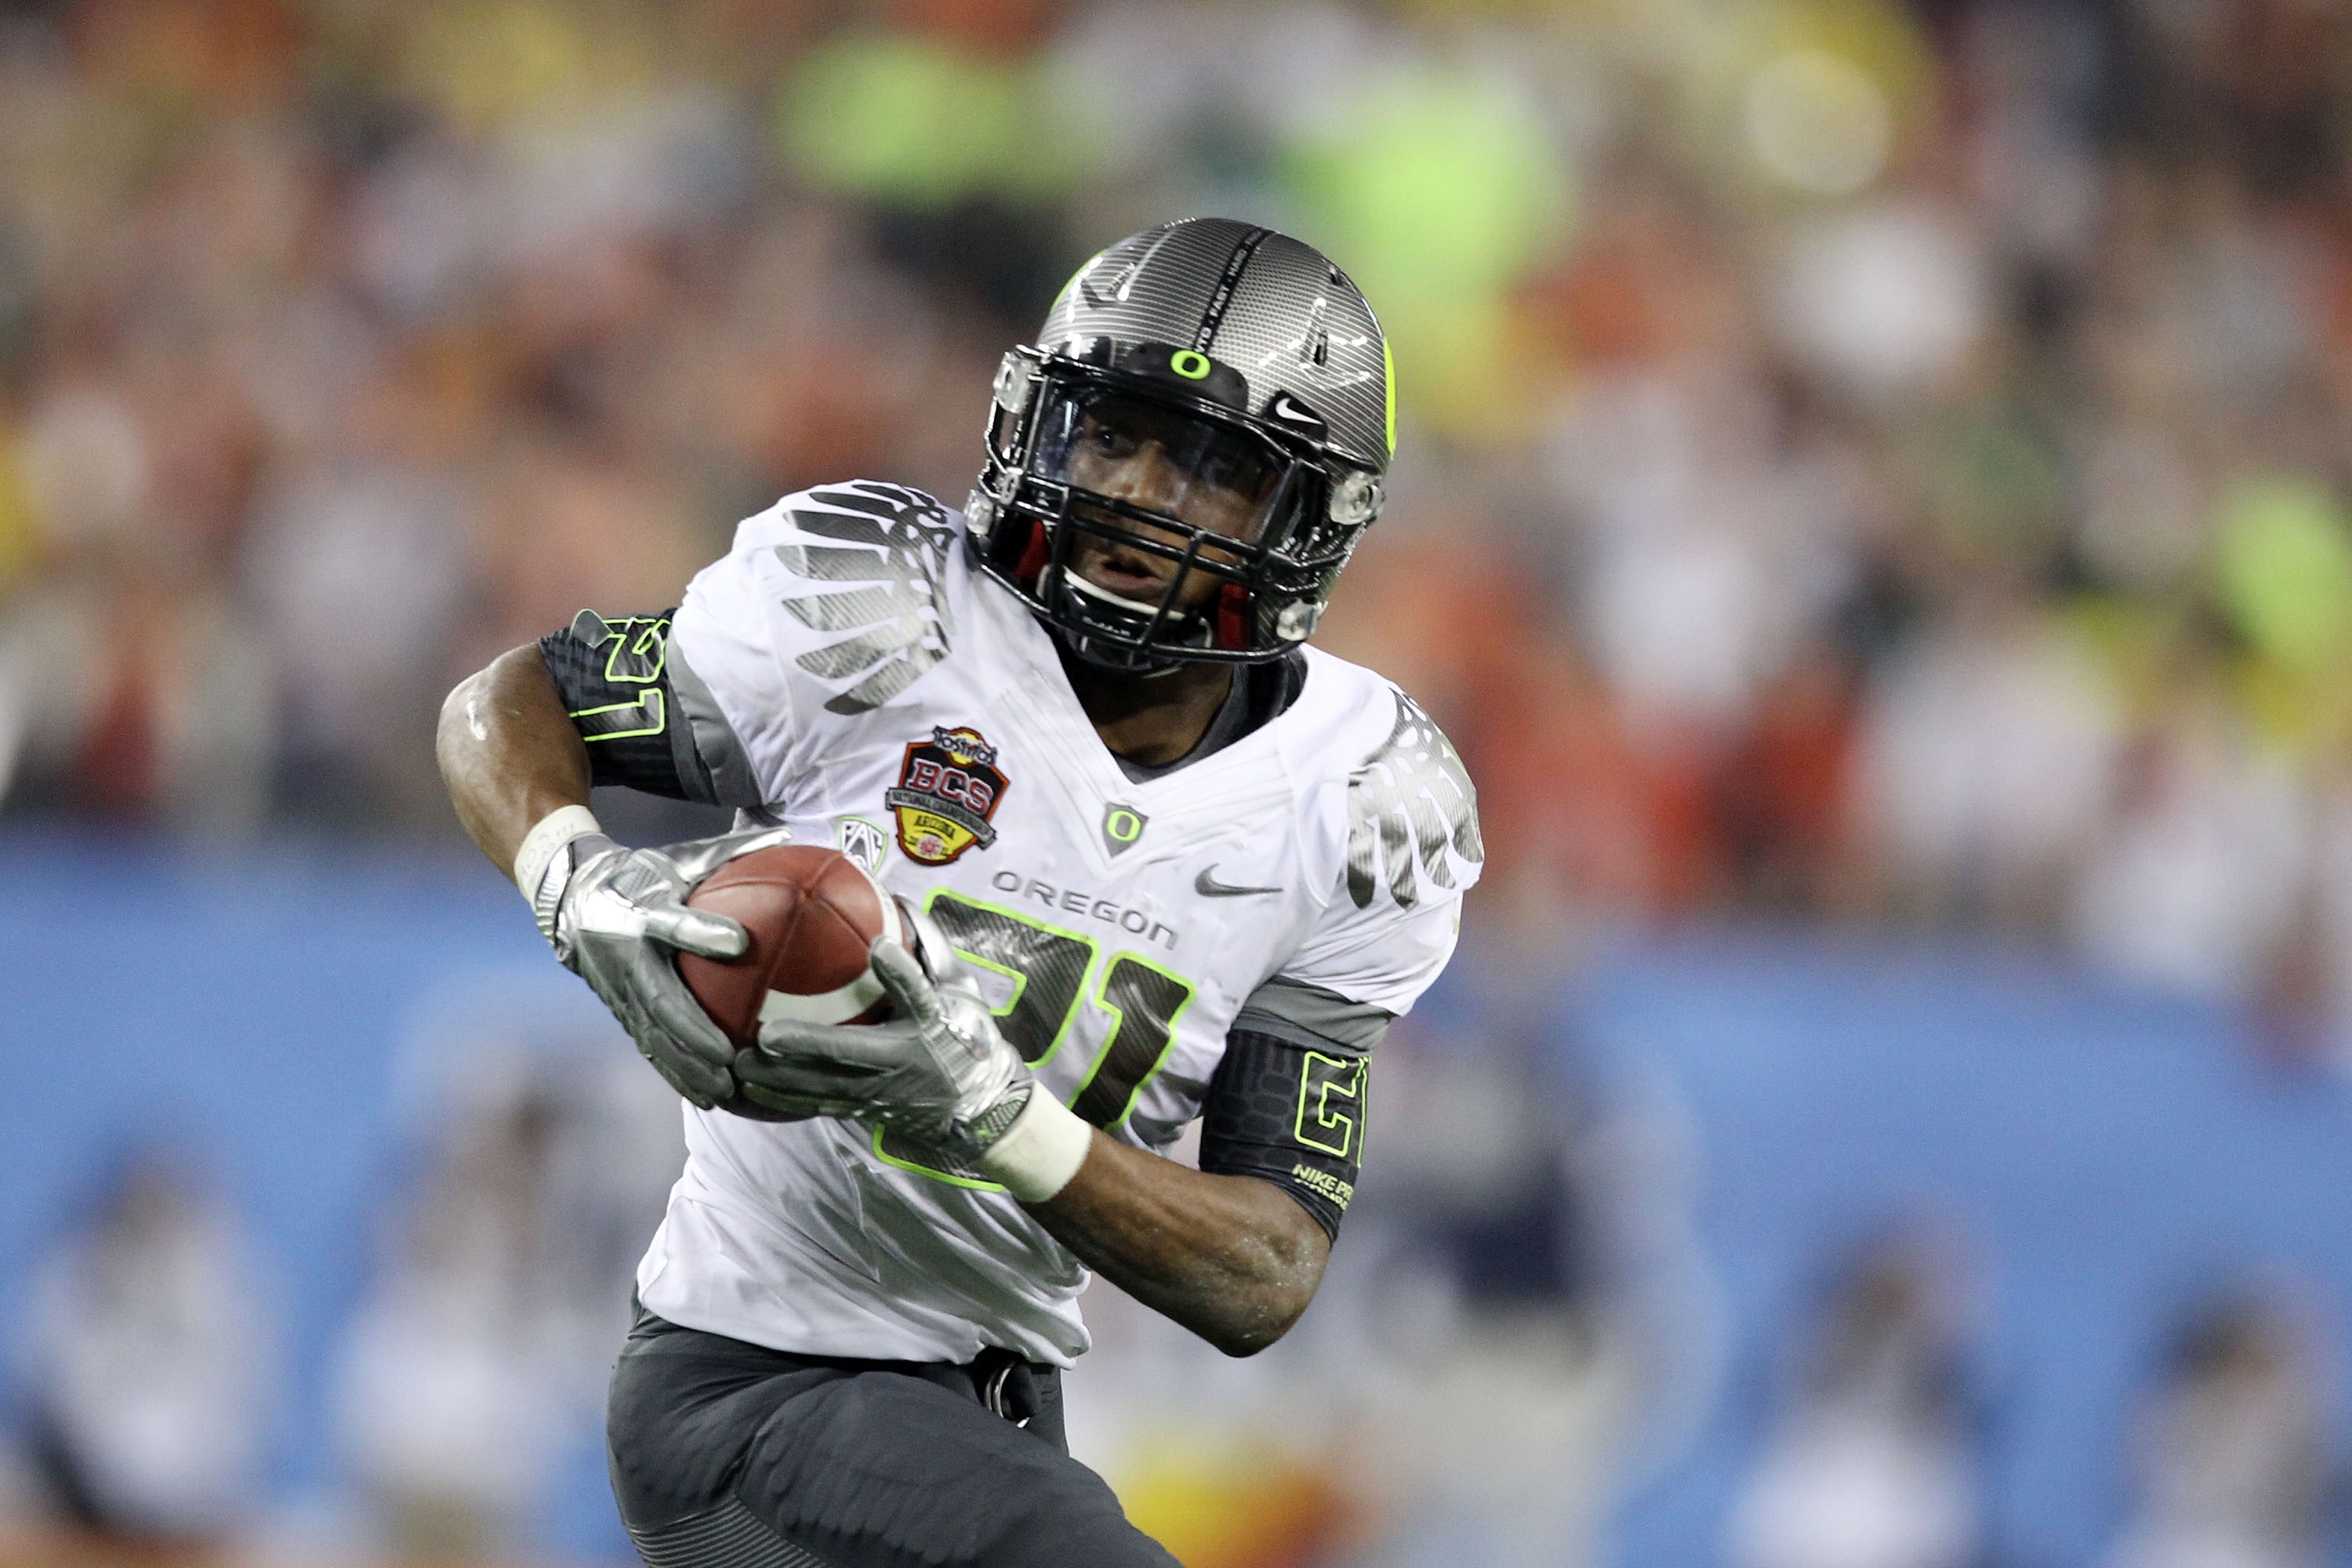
{"x": 509, "y": 754}
{"x": 1231, "y": 1257}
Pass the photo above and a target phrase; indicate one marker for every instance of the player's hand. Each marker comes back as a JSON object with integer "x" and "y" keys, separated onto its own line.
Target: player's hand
{"x": 937, "y": 1069}
{"x": 616, "y": 917}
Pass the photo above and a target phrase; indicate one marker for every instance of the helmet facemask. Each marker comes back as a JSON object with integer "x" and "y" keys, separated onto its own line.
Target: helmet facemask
{"x": 1149, "y": 519}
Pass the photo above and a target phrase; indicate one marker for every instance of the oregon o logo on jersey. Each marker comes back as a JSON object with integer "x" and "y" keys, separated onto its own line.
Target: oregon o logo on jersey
{"x": 1121, "y": 826}
{"x": 949, "y": 787}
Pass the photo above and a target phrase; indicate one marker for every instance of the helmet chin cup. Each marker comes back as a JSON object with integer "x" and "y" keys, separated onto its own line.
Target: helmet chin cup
{"x": 1089, "y": 652}
{"x": 1104, "y": 603}
{"x": 1111, "y": 632}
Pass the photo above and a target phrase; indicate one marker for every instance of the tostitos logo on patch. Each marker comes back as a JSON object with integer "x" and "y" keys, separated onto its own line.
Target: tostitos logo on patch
{"x": 948, "y": 789}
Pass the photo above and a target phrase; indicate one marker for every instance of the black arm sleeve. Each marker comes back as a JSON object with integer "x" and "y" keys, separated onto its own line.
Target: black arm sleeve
{"x": 1291, "y": 1114}
{"x": 615, "y": 682}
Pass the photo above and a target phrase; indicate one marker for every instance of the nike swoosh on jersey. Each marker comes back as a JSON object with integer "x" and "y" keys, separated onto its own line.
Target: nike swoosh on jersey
{"x": 1208, "y": 886}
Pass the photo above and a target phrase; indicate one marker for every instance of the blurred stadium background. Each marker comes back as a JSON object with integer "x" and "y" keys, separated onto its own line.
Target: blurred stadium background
{"x": 1873, "y": 513}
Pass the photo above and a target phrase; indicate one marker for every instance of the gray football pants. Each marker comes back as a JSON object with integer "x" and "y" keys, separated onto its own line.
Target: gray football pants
{"x": 728, "y": 1454}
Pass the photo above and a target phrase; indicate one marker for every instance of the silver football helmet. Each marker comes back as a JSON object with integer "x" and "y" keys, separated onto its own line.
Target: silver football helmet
{"x": 1180, "y": 466}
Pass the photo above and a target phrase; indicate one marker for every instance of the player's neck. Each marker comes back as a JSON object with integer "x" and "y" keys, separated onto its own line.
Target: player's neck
{"x": 1151, "y": 720}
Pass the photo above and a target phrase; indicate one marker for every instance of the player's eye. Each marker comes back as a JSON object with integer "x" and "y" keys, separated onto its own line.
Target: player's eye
{"x": 1110, "y": 441}
{"x": 1243, "y": 473}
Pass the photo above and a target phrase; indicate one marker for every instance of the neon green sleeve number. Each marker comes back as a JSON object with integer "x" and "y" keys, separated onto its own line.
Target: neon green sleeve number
{"x": 1048, "y": 968}
{"x": 1148, "y": 1001}
{"x": 639, "y": 648}
{"x": 1326, "y": 1080}
{"x": 637, "y": 659}
{"x": 648, "y": 715}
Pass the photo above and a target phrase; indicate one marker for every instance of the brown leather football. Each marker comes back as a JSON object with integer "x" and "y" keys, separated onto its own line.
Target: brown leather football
{"x": 812, "y": 913}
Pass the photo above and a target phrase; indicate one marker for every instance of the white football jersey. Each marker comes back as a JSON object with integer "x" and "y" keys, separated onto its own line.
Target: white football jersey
{"x": 844, "y": 667}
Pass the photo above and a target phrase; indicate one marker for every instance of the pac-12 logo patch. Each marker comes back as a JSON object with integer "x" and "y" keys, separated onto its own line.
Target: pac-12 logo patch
{"x": 863, "y": 842}
{"x": 948, "y": 789}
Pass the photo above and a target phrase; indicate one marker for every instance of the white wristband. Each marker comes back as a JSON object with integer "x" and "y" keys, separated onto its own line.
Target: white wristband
{"x": 1041, "y": 1150}
{"x": 550, "y": 834}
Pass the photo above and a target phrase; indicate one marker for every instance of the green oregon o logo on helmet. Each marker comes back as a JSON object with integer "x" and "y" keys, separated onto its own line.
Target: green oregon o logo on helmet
{"x": 1191, "y": 363}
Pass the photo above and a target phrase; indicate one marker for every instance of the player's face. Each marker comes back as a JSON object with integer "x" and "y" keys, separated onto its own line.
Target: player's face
{"x": 1162, "y": 461}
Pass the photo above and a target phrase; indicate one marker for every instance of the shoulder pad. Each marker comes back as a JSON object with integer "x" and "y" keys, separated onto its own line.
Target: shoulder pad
{"x": 874, "y": 559}
{"x": 1407, "y": 802}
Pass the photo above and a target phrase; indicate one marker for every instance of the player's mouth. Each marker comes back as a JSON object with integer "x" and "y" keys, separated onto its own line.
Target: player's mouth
{"x": 1130, "y": 579}
{"x": 1129, "y": 574}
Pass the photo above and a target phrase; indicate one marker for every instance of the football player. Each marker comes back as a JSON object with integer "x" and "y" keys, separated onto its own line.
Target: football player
{"x": 1168, "y": 862}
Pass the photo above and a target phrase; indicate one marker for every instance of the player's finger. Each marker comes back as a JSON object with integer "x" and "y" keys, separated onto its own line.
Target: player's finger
{"x": 631, "y": 1018}
{"x": 680, "y": 1018}
{"x": 697, "y": 1071}
{"x": 809, "y": 1080}
{"x": 670, "y": 1068}
{"x": 931, "y": 948}
{"x": 698, "y": 857}
{"x": 698, "y": 931}
{"x": 810, "y": 1092}
{"x": 911, "y": 993}
{"x": 686, "y": 1072}
{"x": 868, "y": 1047}
{"x": 681, "y": 1071}
{"x": 798, "y": 1105}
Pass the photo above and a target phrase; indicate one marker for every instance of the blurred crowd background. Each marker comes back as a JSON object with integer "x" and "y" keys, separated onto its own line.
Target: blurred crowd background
{"x": 1862, "y": 459}
{"x": 1871, "y": 473}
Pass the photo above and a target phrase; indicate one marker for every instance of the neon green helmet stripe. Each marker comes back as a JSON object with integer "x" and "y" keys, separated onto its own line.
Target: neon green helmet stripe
{"x": 1388, "y": 377}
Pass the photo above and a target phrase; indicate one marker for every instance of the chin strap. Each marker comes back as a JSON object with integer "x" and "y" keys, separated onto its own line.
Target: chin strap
{"x": 1141, "y": 668}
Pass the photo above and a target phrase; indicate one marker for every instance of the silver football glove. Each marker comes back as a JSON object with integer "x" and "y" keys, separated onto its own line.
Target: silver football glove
{"x": 937, "y": 1069}
{"x": 615, "y": 916}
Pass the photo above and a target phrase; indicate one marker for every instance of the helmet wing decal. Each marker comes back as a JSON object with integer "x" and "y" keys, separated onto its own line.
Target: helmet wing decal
{"x": 1118, "y": 292}
{"x": 897, "y": 541}
{"x": 1409, "y": 799}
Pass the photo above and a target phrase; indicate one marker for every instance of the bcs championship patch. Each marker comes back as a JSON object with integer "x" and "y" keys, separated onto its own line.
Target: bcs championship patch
{"x": 948, "y": 789}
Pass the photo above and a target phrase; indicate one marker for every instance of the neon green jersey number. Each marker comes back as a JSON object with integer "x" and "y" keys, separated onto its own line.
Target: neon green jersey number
{"x": 1046, "y": 965}
{"x": 1148, "y": 1001}
{"x": 1048, "y": 968}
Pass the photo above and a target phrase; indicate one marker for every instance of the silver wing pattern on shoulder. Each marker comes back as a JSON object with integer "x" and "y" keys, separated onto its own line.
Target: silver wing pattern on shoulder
{"x": 895, "y": 542}
{"x": 1408, "y": 801}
